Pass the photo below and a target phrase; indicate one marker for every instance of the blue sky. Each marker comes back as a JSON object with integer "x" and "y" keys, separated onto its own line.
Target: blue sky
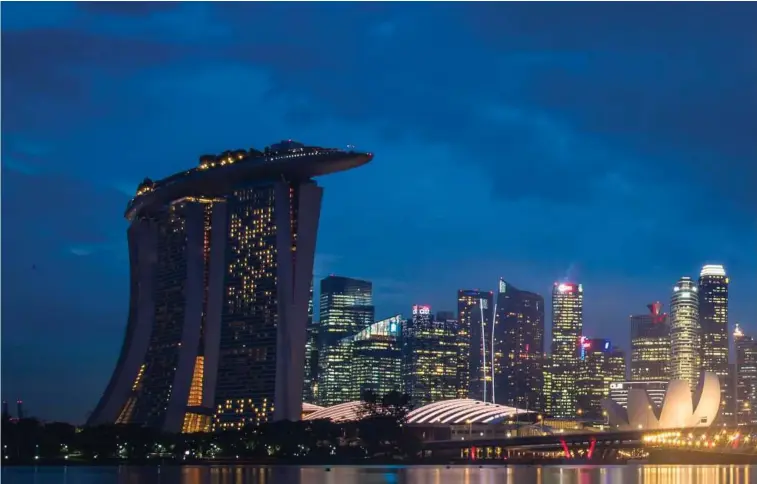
{"x": 610, "y": 143}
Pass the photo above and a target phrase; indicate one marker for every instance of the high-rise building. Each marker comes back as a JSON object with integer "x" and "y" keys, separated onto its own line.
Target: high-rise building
{"x": 6, "y": 412}
{"x": 221, "y": 262}
{"x": 546, "y": 394}
{"x": 746, "y": 377}
{"x": 685, "y": 339}
{"x": 601, "y": 364}
{"x": 590, "y": 384}
{"x": 650, "y": 345}
{"x": 346, "y": 308}
{"x": 615, "y": 366}
{"x": 567, "y": 326}
{"x": 483, "y": 359}
{"x": 468, "y": 302}
{"x": 310, "y": 383}
{"x": 713, "y": 319}
{"x": 430, "y": 351}
{"x": 519, "y": 344}
{"x": 377, "y": 358}
{"x": 20, "y": 409}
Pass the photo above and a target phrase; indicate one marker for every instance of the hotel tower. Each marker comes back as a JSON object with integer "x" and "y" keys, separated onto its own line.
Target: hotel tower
{"x": 221, "y": 262}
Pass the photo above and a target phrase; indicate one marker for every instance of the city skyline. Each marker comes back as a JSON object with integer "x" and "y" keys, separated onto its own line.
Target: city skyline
{"x": 572, "y": 142}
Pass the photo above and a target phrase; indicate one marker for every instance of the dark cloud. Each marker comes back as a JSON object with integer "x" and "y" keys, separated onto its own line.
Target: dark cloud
{"x": 621, "y": 26}
{"x": 72, "y": 73}
{"x": 643, "y": 89}
{"x": 60, "y": 208}
{"x": 665, "y": 81}
{"x": 130, "y": 9}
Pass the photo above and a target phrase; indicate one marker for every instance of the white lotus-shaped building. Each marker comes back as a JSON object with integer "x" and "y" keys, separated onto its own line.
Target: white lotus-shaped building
{"x": 679, "y": 408}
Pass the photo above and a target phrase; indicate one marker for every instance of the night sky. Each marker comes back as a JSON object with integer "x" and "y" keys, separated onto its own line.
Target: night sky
{"x": 610, "y": 144}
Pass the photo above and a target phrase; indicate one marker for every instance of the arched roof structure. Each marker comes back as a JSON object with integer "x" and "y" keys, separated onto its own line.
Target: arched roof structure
{"x": 458, "y": 411}
{"x": 310, "y": 408}
{"x": 343, "y": 412}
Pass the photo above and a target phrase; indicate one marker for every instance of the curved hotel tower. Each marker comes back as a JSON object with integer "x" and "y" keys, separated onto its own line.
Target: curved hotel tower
{"x": 685, "y": 332}
{"x": 221, "y": 267}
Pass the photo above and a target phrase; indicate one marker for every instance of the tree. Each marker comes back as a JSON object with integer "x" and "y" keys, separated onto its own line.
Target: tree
{"x": 382, "y": 421}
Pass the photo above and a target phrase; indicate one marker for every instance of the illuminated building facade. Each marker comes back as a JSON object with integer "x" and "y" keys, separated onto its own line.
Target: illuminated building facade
{"x": 713, "y": 319}
{"x": 567, "y": 326}
{"x": 430, "y": 351}
{"x": 519, "y": 348}
{"x": 746, "y": 377}
{"x": 601, "y": 364}
{"x": 616, "y": 368}
{"x": 650, "y": 345}
{"x": 221, "y": 259}
{"x": 377, "y": 358}
{"x": 468, "y": 301}
{"x": 346, "y": 308}
{"x": 310, "y": 383}
{"x": 685, "y": 334}
{"x": 482, "y": 351}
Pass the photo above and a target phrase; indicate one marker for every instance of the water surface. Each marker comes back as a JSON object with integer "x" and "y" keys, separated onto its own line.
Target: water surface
{"x": 383, "y": 475}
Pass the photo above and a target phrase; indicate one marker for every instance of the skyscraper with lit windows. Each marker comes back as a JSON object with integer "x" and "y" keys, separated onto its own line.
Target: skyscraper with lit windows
{"x": 615, "y": 367}
{"x": 482, "y": 357}
{"x": 590, "y": 384}
{"x": 377, "y": 358}
{"x": 519, "y": 345}
{"x": 567, "y": 327}
{"x": 468, "y": 304}
{"x": 430, "y": 357}
{"x": 685, "y": 334}
{"x": 713, "y": 319}
{"x": 310, "y": 383}
{"x": 346, "y": 308}
{"x": 746, "y": 378}
{"x": 221, "y": 259}
{"x": 601, "y": 364}
{"x": 650, "y": 345}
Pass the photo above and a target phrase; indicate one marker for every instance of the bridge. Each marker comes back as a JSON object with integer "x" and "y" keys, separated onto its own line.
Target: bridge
{"x": 711, "y": 444}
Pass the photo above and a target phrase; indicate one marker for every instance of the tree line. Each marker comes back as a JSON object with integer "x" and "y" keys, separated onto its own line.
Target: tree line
{"x": 380, "y": 434}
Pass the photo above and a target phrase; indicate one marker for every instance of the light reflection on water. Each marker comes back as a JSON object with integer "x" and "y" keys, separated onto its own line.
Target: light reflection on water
{"x": 382, "y": 475}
